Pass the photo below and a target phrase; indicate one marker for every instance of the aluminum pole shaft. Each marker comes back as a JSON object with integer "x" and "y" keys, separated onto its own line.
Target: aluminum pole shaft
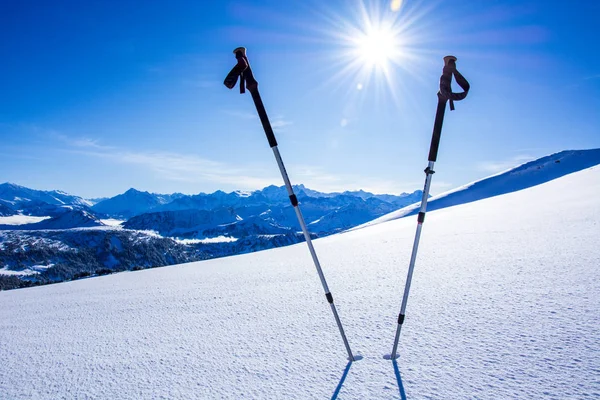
{"x": 293, "y": 199}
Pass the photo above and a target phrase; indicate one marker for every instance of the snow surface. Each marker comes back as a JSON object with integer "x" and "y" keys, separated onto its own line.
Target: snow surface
{"x": 21, "y": 220}
{"x": 34, "y": 269}
{"x": 112, "y": 221}
{"x": 504, "y": 305}
{"x": 217, "y": 239}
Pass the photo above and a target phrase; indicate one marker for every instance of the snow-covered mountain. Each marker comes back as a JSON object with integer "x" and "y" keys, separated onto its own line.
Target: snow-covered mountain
{"x": 73, "y": 253}
{"x": 15, "y": 199}
{"x": 68, "y": 220}
{"x": 189, "y": 216}
{"x": 521, "y": 177}
{"x": 402, "y": 199}
{"x": 272, "y": 196}
{"x": 252, "y": 226}
{"x": 10, "y": 192}
{"x": 504, "y": 305}
{"x": 133, "y": 202}
{"x": 350, "y": 215}
{"x": 183, "y": 223}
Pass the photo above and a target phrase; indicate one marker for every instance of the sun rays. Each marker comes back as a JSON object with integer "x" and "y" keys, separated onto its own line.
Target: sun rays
{"x": 373, "y": 47}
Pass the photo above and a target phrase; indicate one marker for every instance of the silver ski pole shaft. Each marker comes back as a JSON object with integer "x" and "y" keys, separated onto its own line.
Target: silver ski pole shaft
{"x": 243, "y": 71}
{"x": 445, "y": 93}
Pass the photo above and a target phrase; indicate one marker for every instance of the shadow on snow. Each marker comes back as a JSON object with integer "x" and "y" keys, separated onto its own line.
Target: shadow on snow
{"x": 339, "y": 386}
{"x": 399, "y": 379}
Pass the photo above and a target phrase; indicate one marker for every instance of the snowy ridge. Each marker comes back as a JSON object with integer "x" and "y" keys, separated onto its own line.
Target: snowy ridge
{"x": 20, "y": 195}
{"x": 521, "y": 177}
{"x": 133, "y": 202}
{"x": 504, "y": 305}
{"x": 68, "y": 220}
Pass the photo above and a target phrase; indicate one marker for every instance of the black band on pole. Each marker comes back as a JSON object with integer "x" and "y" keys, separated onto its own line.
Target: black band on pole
{"x": 294, "y": 200}
{"x": 329, "y": 298}
{"x": 421, "y": 217}
{"x": 401, "y": 319}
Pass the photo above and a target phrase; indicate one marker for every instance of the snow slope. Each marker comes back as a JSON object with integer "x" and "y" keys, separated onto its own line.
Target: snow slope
{"x": 504, "y": 305}
{"x": 518, "y": 178}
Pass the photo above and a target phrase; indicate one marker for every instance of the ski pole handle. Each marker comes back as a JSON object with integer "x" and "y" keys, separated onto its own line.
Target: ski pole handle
{"x": 241, "y": 70}
{"x": 446, "y": 80}
{"x": 444, "y": 94}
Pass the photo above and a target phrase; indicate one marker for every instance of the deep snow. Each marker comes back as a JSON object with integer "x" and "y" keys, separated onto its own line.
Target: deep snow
{"x": 504, "y": 305}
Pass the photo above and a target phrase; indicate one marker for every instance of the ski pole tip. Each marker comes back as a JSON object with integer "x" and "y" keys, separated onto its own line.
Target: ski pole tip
{"x": 449, "y": 59}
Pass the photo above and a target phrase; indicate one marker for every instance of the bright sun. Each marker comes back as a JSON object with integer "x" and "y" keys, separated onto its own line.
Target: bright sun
{"x": 377, "y": 47}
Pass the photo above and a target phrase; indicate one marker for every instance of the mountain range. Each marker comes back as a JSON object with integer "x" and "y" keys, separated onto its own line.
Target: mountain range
{"x": 53, "y": 236}
{"x": 49, "y": 236}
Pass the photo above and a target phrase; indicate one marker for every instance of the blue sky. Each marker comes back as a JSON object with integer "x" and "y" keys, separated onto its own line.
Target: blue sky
{"x": 98, "y": 97}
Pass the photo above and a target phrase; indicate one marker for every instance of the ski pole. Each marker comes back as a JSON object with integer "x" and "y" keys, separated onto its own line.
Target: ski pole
{"x": 243, "y": 71}
{"x": 445, "y": 94}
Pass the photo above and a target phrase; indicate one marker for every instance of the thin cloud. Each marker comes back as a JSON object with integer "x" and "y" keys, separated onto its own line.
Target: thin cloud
{"x": 241, "y": 114}
{"x": 89, "y": 143}
{"x": 189, "y": 168}
{"x": 499, "y": 166}
{"x": 200, "y": 83}
{"x": 584, "y": 79}
{"x": 440, "y": 187}
{"x": 318, "y": 179}
{"x": 17, "y": 154}
{"x": 280, "y": 123}
{"x": 174, "y": 166}
{"x": 81, "y": 142}
{"x": 277, "y": 122}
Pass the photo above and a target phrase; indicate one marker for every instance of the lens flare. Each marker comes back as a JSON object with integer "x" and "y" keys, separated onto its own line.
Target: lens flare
{"x": 396, "y": 5}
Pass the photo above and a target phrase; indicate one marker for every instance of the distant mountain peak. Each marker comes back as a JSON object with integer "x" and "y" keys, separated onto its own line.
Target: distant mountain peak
{"x": 11, "y": 185}
{"x": 135, "y": 191}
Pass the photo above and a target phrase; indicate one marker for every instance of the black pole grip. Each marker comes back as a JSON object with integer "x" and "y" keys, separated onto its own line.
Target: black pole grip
{"x": 262, "y": 113}
{"x": 437, "y": 127}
